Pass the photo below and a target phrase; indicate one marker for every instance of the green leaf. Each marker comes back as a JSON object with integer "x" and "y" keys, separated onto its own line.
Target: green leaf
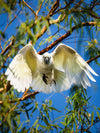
{"x": 98, "y": 114}
{"x": 37, "y": 127}
{"x": 63, "y": 123}
{"x": 52, "y": 108}
{"x": 34, "y": 110}
{"x": 45, "y": 127}
{"x": 22, "y": 124}
{"x": 92, "y": 118}
{"x": 45, "y": 120}
{"x": 98, "y": 108}
{"x": 66, "y": 18}
{"x": 35, "y": 123}
{"x": 36, "y": 104}
{"x": 50, "y": 102}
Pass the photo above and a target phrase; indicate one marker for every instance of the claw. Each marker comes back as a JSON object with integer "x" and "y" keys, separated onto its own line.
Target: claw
{"x": 44, "y": 78}
{"x": 53, "y": 81}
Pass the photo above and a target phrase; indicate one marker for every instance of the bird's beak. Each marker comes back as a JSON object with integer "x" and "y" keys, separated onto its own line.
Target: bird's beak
{"x": 46, "y": 60}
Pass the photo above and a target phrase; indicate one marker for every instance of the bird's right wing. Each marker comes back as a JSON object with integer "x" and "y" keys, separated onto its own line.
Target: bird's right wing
{"x": 22, "y": 68}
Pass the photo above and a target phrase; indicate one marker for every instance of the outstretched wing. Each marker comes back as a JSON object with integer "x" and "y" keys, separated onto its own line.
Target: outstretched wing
{"x": 76, "y": 70}
{"x": 22, "y": 68}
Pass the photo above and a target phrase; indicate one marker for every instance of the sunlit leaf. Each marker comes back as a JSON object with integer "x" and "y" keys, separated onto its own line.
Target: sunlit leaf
{"x": 52, "y": 108}
{"x": 35, "y": 123}
{"x": 92, "y": 118}
{"x": 98, "y": 114}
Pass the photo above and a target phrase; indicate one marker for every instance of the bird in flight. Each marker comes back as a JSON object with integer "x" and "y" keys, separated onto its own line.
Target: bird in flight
{"x": 56, "y": 71}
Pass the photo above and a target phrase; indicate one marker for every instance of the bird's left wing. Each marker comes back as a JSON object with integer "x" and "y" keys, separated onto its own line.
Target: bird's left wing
{"x": 76, "y": 70}
{"x": 22, "y": 68}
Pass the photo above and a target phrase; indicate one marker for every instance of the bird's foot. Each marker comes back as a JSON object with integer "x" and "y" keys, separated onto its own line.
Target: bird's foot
{"x": 44, "y": 78}
{"x": 53, "y": 82}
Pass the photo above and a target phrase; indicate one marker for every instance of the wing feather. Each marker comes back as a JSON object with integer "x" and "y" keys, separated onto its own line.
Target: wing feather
{"x": 76, "y": 69}
{"x": 62, "y": 82}
{"x": 22, "y": 68}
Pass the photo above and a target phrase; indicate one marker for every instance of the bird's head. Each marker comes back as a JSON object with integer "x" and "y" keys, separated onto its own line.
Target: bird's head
{"x": 47, "y": 58}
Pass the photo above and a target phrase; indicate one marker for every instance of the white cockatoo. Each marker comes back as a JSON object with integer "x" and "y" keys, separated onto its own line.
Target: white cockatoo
{"x": 55, "y": 71}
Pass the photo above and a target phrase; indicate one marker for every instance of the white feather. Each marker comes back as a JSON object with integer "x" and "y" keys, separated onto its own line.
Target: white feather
{"x": 67, "y": 59}
{"x": 27, "y": 70}
{"x": 19, "y": 73}
{"x": 39, "y": 85}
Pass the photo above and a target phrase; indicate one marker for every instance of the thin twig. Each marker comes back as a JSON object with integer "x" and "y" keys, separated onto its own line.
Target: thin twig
{"x": 8, "y": 25}
{"x": 12, "y": 20}
{"x": 0, "y": 44}
{"x": 38, "y": 11}
{"x": 29, "y": 8}
{"x": 6, "y": 87}
{"x": 8, "y": 47}
{"x": 53, "y": 8}
{"x": 92, "y": 59}
{"x": 95, "y": 121}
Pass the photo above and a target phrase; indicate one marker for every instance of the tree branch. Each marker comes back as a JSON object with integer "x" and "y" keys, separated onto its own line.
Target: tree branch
{"x": 24, "y": 97}
{"x": 90, "y": 12}
{"x": 8, "y": 47}
{"x": 44, "y": 29}
{"x": 50, "y": 22}
{"x": 92, "y": 59}
{"x": 69, "y": 32}
{"x": 60, "y": 17}
{"x": 53, "y": 8}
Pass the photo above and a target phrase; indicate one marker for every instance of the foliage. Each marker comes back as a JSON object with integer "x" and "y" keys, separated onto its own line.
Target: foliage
{"x": 46, "y": 23}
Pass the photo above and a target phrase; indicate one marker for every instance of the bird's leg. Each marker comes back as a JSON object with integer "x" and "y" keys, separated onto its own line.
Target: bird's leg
{"x": 52, "y": 77}
{"x": 44, "y": 78}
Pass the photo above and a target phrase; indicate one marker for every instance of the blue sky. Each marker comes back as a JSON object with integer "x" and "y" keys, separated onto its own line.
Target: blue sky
{"x": 59, "y": 99}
